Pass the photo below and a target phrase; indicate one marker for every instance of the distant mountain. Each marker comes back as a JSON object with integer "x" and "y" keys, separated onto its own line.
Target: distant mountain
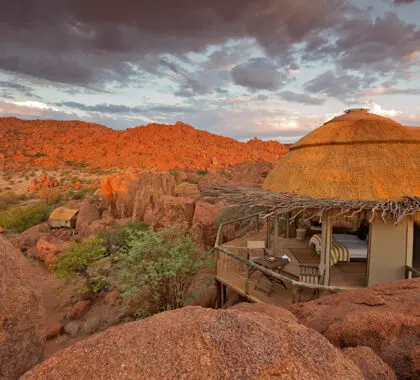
{"x": 50, "y": 143}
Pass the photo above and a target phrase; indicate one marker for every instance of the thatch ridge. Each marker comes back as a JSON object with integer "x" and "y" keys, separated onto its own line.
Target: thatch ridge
{"x": 267, "y": 202}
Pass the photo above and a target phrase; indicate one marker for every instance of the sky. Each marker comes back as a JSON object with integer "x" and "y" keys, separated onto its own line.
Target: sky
{"x": 240, "y": 68}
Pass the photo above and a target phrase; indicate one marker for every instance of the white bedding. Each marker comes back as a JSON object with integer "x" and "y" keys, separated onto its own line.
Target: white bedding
{"x": 357, "y": 248}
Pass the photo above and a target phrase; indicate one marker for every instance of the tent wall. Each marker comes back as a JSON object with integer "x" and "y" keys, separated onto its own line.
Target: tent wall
{"x": 388, "y": 251}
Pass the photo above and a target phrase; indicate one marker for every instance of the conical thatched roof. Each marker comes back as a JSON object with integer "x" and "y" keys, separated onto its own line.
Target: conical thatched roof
{"x": 355, "y": 156}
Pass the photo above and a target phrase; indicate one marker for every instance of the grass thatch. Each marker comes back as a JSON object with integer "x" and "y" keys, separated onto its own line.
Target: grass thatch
{"x": 356, "y": 156}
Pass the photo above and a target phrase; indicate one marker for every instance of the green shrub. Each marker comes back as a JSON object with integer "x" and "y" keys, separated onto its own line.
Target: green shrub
{"x": 79, "y": 194}
{"x": 202, "y": 172}
{"x": 173, "y": 172}
{"x": 20, "y": 218}
{"x": 159, "y": 266}
{"x": 117, "y": 240}
{"x": 79, "y": 259}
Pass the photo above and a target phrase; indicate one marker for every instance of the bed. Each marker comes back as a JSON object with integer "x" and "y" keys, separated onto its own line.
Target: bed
{"x": 344, "y": 247}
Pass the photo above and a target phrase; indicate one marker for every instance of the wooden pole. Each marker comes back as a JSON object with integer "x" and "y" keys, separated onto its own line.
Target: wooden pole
{"x": 326, "y": 242}
{"x": 219, "y": 295}
{"x": 224, "y": 297}
{"x": 276, "y": 232}
{"x": 287, "y": 224}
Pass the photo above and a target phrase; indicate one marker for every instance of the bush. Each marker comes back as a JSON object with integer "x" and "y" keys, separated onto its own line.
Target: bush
{"x": 77, "y": 194}
{"x": 50, "y": 196}
{"x": 173, "y": 172}
{"x": 202, "y": 172}
{"x": 160, "y": 266}
{"x": 117, "y": 240}
{"x": 78, "y": 258}
{"x": 20, "y": 218}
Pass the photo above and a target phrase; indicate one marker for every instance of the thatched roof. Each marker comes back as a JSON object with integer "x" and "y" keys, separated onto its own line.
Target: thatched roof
{"x": 62, "y": 213}
{"x": 255, "y": 200}
{"x": 355, "y": 156}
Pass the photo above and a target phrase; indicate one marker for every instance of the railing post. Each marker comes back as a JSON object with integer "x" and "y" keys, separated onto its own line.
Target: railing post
{"x": 295, "y": 294}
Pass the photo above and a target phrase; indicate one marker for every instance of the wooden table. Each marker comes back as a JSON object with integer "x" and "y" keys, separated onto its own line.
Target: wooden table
{"x": 275, "y": 265}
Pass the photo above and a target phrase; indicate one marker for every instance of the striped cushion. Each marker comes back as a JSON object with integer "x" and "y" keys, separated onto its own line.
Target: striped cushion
{"x": 339, "y": 252}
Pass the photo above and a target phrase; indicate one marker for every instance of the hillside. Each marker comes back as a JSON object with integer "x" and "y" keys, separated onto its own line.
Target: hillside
{"x": 50, "y": 143}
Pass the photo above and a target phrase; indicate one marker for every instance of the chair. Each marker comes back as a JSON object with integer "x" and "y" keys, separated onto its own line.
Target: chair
{"x": 255, "y": 249}
{"x": 311, "y": 274}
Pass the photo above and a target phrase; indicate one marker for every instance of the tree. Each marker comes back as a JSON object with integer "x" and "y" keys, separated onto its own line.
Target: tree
{"x": 159, "y": 266}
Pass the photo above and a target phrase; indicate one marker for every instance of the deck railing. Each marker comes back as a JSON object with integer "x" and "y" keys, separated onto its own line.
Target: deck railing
{"x": 231, "y": 263}
{"x": 242, "y": 226}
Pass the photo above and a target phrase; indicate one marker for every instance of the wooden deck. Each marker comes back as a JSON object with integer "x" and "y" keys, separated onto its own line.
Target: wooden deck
{"x": 233, "y": 273}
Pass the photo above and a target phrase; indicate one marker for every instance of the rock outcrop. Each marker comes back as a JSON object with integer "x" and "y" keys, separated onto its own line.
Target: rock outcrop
{"x": 22, "y": 319}
{"x": 370, "y": 364}
{"x": 204, "y": 344}
{"x": 385, "y": 318}
{"x": 169, "y": 210}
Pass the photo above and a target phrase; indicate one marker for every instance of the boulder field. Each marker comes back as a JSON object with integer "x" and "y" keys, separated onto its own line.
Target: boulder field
{"x": 155, "y": 146}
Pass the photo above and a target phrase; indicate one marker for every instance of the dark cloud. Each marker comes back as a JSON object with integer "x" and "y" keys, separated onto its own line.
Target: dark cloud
{"x": 339, "y": 85}
{"x": 122, "y": 109}
{"x": 79, "y": 42}
{"x": 8, "y": 89}
{"x": 402, "y": 2}
{"x": 259, "y": 74}
{"x": 302, "y": 98}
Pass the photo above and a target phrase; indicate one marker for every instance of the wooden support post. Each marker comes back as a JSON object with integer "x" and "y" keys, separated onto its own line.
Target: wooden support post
{"x": 326, "y": 242}
{"x": 295, "y": 294}
{"x": 276, "y": 233}
{"x": 224, "y": 297}
{"x": 246, "y": 280}
{"x": 287, "y": 224}
{"x": 267, "y": 221}
{"x": 219, "y": 294}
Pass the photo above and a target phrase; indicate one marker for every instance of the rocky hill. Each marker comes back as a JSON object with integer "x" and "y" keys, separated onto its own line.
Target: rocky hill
{"x": 360, "y": 334}
{"x": 50, "y": 143}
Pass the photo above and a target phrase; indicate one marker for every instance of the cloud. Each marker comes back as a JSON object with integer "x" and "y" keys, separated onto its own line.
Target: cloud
{"x": 331, "y": 83}
{"x": 302, "y": 98}
{"x": 402, "y": 2}
{"x": 9, "y": 89}
{"x": 119, "y": 109}
{"x": 384, "y": 45}
{"x": 259, "y": 74}
{"x": 72, "y": 42}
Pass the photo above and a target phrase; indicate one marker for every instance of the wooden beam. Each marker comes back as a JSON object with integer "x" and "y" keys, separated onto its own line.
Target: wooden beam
{"x": 410, "y": 245}
{"x": 326, "y": 242}
{"x": 276, "y": 233}
{"x": 287, "y": 224}
{"x": 219, "y": 294}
